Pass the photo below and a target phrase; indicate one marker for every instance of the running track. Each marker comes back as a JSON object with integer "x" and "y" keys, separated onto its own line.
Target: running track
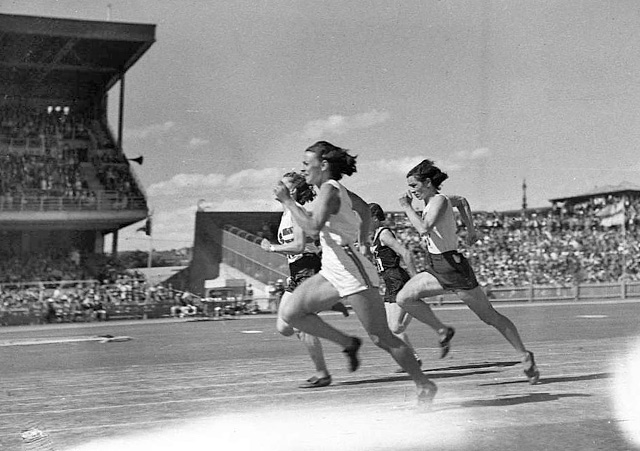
{"x": 232, "y": 385}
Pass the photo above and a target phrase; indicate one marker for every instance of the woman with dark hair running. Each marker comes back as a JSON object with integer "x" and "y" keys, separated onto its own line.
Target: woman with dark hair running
{"x": 341, "y": 218}
{"x": 448, "y": 269}
{"x": 387, "y": 252}
{"x": 303, "y": 256}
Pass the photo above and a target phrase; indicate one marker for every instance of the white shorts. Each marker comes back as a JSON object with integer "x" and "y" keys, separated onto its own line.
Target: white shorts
{"x": 347, "y": 269}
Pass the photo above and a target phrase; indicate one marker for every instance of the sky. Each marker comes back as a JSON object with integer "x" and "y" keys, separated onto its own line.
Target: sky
{"x": 494, "y": 91}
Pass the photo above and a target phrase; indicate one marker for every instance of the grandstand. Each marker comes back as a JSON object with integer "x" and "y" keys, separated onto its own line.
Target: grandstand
{"x": 65, "y": 182}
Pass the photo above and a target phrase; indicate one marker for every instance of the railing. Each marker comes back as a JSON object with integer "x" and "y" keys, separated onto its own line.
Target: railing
{"x": 579, "y": 292}
{"x": 35, "y": 200}
{"x": 241, "y": 249}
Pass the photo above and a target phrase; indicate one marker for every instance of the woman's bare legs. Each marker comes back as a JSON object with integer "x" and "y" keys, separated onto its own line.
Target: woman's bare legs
{"x": 478, "y": 302}
{"x": 369, "y": 308}
{"x": 313, "y": 344}
{"x": 424, "y": 285}
{"x": 317, "y": 294}
{"x": 399, "y": 320}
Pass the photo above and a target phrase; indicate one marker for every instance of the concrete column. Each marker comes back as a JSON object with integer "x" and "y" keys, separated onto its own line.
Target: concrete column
{"x": 98, "y": 247}
{"x": 114, "y": 243}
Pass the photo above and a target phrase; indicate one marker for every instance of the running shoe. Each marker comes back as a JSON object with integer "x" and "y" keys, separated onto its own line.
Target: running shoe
{"x": 340, "y": 307}
{"x": 351, "y": 352}
{"x": 426, "y": 393}
{"x": 530, "y": 368}
{"x": 445, "y": 341}
{"x": 316, "y": 382}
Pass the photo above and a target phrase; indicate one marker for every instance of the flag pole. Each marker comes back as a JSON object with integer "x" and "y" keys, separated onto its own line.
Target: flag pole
{"x": 624, "y": 238}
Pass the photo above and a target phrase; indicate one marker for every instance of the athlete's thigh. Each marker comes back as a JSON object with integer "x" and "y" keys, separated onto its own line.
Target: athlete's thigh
{"x": 313, "y": 295}
{"x": 370, "y": 310}
{"x": 396, "y": 316}
{"x": 422, "y": 285}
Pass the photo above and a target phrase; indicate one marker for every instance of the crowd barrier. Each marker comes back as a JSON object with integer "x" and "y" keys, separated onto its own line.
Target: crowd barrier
{"x": 216, "y": 308}
{"x": 578, "y": 292}
{"x": 207, "y": 308}
{"x": 26, "y": 316}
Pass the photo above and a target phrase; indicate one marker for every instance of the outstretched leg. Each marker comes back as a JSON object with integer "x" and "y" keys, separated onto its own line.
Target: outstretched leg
{"x": 370, "y": 311}
{"x": 478, "y": 302}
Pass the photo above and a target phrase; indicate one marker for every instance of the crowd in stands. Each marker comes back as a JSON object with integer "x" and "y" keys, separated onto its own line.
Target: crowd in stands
{"x": 70, "y": 300}
{"x": 41, "y": 156}
{"x": 22, "y": 122}
{"x": 563, "y": 245}
{"x": 25, "y": 177}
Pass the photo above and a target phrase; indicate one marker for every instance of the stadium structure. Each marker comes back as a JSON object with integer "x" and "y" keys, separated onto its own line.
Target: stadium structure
{"x": 66, "y": 182}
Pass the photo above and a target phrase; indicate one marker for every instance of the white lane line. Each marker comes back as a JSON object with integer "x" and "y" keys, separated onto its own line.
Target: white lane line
{"x": 57, "y": 340}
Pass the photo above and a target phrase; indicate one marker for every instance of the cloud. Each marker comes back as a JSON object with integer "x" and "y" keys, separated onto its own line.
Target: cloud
{"x": 476, "y": 154}
{"x": 240, "y": 182}
{"x": 198, "y": 142}
{"x": 150, "y": 131}
{"x": 339, "y": 125}
{"x": 174, "y": 202}
{"x": 399, "y": 165}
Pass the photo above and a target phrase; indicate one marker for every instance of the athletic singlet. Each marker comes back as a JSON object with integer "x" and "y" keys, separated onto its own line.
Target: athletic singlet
{"x": 285, "y": 235}
{"x": 342, "y": 228}
{"x": 442, "y": 237}
{"x": 384, "y": 257}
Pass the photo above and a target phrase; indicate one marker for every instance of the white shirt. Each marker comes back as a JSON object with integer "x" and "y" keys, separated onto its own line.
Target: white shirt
{"x": 442, "y": 237}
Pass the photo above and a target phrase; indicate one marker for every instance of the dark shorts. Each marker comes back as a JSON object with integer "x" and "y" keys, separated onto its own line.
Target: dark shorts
{"x": 452, "y": 271}
{"x": 394, "y": 279}
{"x": 301, "y": 269}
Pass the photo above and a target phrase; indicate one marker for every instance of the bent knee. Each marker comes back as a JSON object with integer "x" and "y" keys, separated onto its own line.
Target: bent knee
{"x": 284, "y": 329}
{"x": 404, "y": 298}
{"x": 289, "y": 315}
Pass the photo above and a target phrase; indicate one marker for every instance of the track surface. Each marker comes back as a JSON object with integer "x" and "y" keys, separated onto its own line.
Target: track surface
{"x": 232, "y": 384}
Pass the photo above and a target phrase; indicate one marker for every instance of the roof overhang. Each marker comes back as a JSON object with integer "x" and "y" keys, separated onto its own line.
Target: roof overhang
{"x": 54, "y": 58}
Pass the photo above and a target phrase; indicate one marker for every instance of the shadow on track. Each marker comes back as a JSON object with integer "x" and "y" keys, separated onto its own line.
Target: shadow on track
{"x": 515, "y": 400}
{"x": 553, "y": 380}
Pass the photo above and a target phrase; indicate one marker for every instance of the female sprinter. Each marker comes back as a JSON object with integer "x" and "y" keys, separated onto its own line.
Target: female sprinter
{"x": 387, "y": 252}
{"x": 303, "y": 256}
{"x": 449, "y": 270}
{"x": 341, "y": 217}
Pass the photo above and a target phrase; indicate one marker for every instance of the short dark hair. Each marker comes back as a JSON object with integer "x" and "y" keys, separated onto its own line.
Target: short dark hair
{"x": 377, "y": 211}
{"x": 339, "y": 159}
{"x": 427, "y": 170}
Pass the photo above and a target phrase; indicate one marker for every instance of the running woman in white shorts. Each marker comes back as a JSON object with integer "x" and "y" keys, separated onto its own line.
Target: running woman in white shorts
{"x": 448, "y": 269}
{"x": 303, "y": 256}
{"x": 341, "y": 218}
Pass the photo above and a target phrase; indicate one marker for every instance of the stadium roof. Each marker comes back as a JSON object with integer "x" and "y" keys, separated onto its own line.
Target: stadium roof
{"x": 53, "y": 58}
{"x": 622, "y": 188}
